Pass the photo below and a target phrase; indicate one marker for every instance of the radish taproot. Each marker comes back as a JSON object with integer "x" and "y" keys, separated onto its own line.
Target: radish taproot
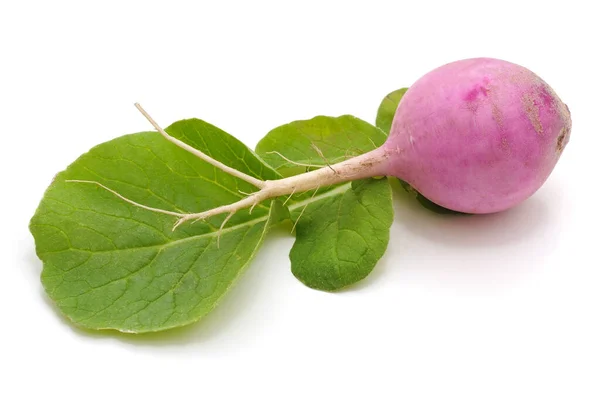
{"x": 476, "y": 136}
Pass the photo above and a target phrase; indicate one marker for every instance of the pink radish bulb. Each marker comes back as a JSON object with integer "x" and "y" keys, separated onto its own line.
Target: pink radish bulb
{"x": 477, "y": 135}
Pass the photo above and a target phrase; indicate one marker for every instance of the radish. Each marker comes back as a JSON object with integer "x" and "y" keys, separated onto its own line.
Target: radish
{"x": 476, "y": 136}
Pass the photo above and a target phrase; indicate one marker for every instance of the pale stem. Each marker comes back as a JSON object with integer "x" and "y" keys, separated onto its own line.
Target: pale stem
{"x": 370, "y": 164}
{"x": 221, "y": 228}
{"x": 289, "y": 197}
{"x": 364, "y": 166}
{"x": 137, "y": 204}
{"x": 321, "y": 155}
{"x": 302, "y": 212}
{"x": 295, "y": 162}
{"x": 232, "y": 171}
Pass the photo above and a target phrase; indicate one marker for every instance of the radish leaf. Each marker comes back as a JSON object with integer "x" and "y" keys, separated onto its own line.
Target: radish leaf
{"x": 387, "y": 109}
{"x": 339, "y": 239}
{"x": 343, "y": 231}
{"x": 111, "y": 265}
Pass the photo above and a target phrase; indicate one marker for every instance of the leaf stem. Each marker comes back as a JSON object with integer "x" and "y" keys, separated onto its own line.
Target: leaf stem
{"x": 137, "y": 204}
{"x": 367, "y": 165}
{"x": 370, "y": 164}
{"x": 232, "y": 171}
{"x": 295, "y": 162}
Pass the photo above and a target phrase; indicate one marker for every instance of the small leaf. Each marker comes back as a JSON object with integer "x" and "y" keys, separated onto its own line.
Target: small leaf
{"x": 340, "y": 238}
{"x": 111, "y": 265}
{"x": 221, "y": 146}
{"x": 387, "y": 109}
{"x": 341, "y": 231}
{"x": 321, "y": 140}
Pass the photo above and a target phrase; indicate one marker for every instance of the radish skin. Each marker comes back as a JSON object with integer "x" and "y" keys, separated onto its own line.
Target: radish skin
{"x": 478, "y": 135}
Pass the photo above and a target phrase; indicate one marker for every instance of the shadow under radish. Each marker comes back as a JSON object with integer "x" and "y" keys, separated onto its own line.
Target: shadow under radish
{"x": 492, "y": 249}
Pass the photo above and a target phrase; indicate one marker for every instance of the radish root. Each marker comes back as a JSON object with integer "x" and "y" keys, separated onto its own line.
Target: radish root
{"x": 238, "y": 174}
{"x": 295, "y": 162}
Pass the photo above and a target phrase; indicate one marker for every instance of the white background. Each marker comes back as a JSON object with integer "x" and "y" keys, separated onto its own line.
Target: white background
{"x": 506, "y": 303}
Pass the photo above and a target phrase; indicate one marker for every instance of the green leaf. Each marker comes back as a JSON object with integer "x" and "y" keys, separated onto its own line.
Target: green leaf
{"x": 337, "y": 139}
{"x": 342, "y": 231}
{"x": 111, "y": 265}
{"x": 385, "y": 117}
{"x": 387, "y": 109}
{"x": 340, "y": 238}
{"x": 222, "y": 147}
